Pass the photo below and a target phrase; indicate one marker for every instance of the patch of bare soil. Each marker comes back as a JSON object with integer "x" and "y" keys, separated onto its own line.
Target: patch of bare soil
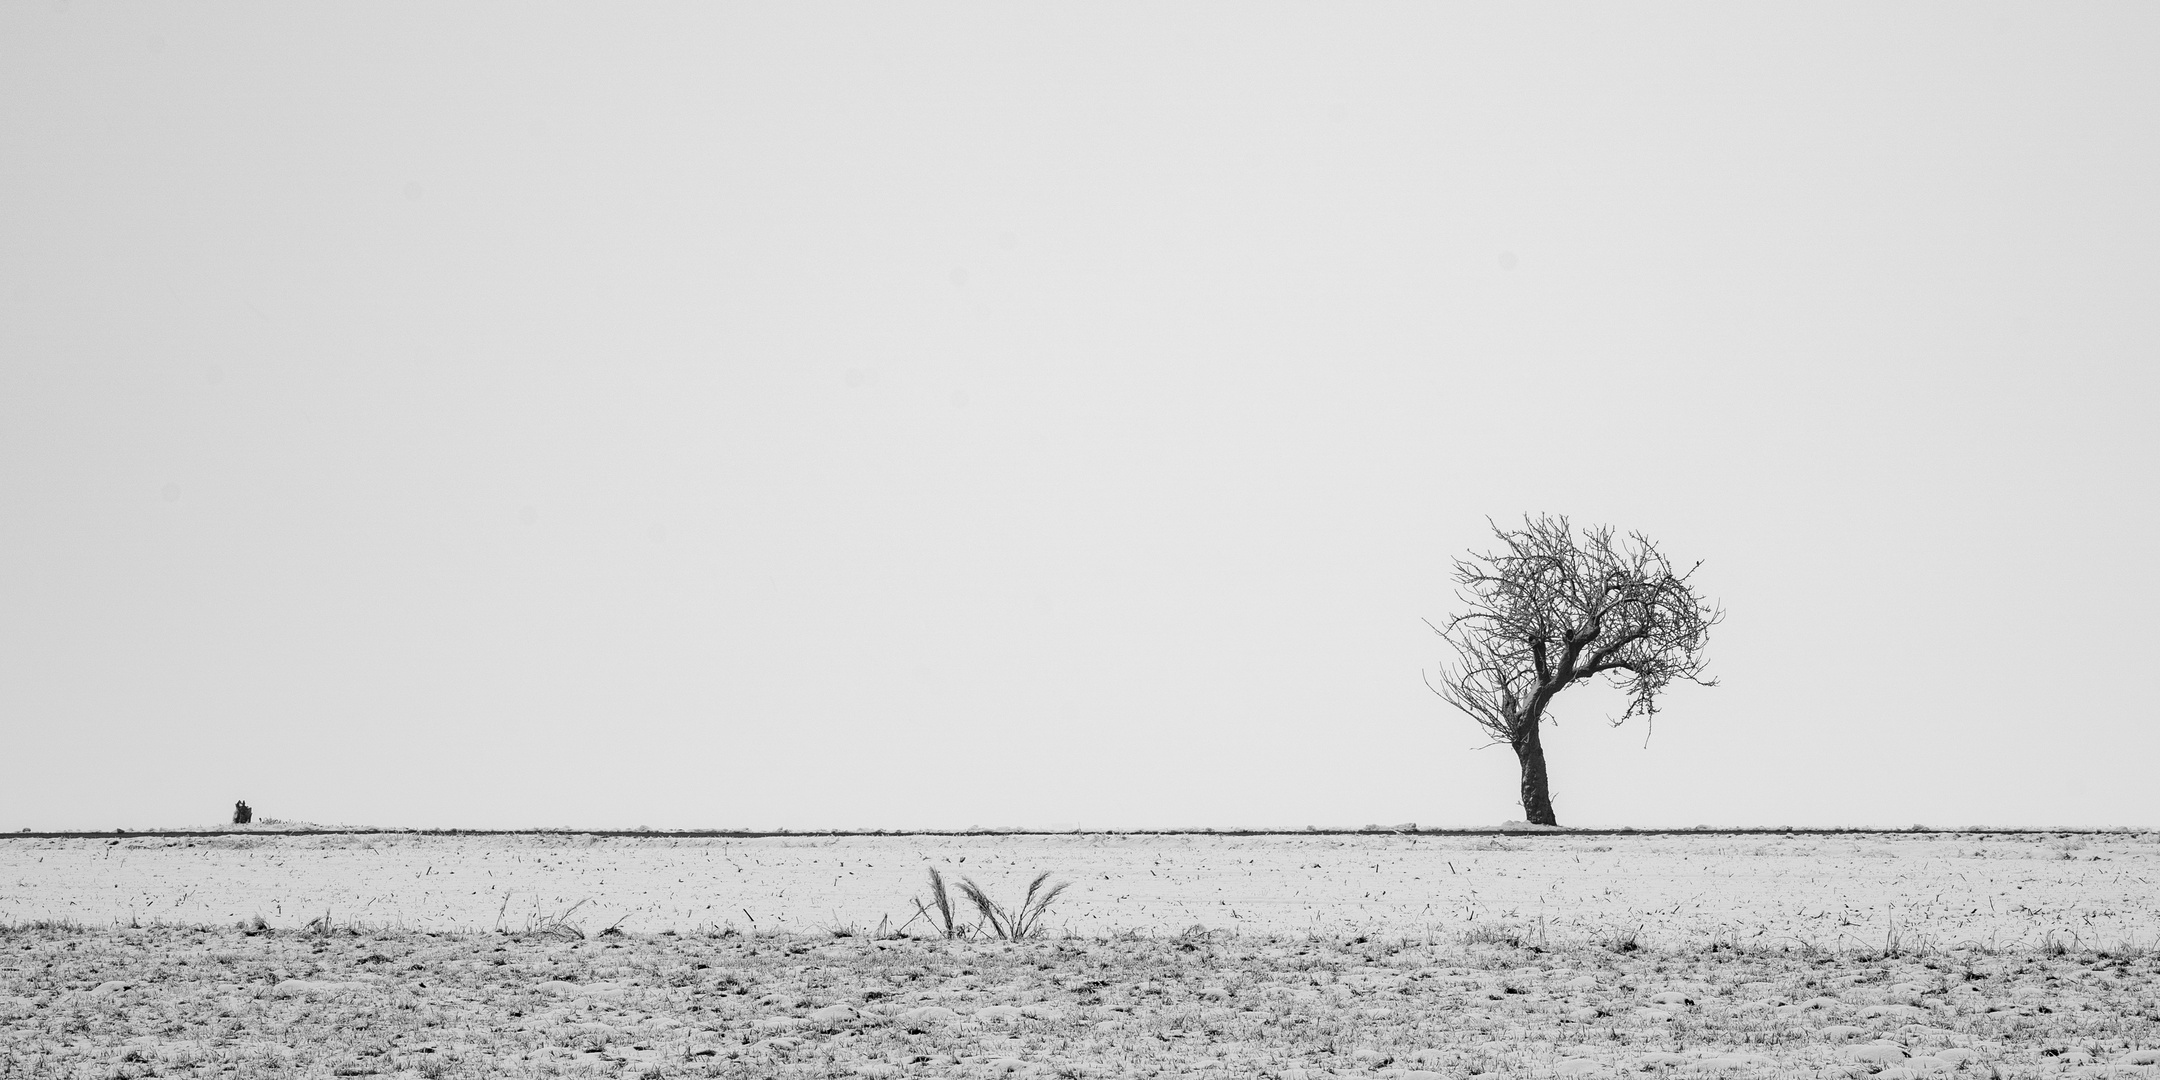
{"x": 193, "y": 1002}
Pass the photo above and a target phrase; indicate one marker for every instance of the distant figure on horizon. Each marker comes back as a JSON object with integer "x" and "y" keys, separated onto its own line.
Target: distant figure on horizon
{"x": 241, "y": 813}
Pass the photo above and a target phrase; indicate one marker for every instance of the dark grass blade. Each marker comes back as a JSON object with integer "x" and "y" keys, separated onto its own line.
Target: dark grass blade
{"x": 1000, "y": 923}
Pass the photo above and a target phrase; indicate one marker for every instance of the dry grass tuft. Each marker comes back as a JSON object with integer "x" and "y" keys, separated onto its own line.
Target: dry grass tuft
{"x": 1493, "y": 934}
{"x": 1015, "y": 924}
{"x": 558, "y": 925}
{"x": 994, "y": 920}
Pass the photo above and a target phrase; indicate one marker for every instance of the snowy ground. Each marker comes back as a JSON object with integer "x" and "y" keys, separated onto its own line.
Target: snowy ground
{"x": 1838, "y": 892}
{"x": 171, "y": 1002}
{"x": 1281, "y": 957}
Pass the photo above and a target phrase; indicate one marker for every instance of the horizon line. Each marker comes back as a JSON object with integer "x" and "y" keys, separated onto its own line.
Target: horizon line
{"x": 1513, "y": 829}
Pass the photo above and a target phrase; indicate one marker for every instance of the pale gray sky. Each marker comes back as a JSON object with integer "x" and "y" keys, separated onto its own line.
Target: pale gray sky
{"x": 942, "y": 415}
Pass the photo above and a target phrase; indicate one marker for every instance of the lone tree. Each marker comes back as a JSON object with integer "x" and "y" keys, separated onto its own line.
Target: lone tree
{"x": 1552, "y": 608}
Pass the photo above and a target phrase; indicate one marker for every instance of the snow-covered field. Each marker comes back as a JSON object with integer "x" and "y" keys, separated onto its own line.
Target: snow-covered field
{"x": 1285, "y": 957}
{"x": 171, "y": 1002}
{"x": 1825, "y": 892}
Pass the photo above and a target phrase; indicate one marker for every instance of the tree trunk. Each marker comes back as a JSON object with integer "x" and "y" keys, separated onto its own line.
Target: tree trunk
{"x": 1536, "y": 795}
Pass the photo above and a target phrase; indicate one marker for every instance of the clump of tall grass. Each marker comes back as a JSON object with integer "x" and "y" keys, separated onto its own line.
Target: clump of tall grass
{"x": 541, "y": 924}
{"x": 993, "y": 920}
{"x": 1020, "y": 923}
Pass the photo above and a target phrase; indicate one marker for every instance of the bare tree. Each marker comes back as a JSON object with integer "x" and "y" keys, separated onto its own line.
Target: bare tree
{"x": 1552, "y": 608}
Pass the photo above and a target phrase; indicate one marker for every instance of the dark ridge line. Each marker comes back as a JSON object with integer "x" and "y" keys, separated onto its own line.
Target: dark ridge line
{"x": 835, "y": 834}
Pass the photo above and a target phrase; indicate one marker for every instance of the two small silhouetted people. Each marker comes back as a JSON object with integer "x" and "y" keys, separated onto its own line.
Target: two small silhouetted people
{"x": 242, "y": 813}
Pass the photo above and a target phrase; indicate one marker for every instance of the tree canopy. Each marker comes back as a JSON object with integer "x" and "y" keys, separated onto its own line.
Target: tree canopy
{"x": 1552, "y": 607}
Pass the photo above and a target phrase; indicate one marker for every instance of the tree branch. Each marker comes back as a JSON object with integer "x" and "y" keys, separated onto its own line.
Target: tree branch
{"x": 1606, "y": 605}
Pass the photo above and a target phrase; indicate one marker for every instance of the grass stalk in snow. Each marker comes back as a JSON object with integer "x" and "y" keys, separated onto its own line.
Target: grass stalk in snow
{"x": 939, "y": 912}
{"x": 1022, "y": 922}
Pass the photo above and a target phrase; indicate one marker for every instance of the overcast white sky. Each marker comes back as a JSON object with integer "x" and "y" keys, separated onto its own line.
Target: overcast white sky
{"x": 938, "y": 415}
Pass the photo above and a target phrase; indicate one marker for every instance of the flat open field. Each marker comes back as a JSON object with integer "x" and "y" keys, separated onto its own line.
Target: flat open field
{"x": 1281, "y": 957}
{"x": 1824, "y": 892}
